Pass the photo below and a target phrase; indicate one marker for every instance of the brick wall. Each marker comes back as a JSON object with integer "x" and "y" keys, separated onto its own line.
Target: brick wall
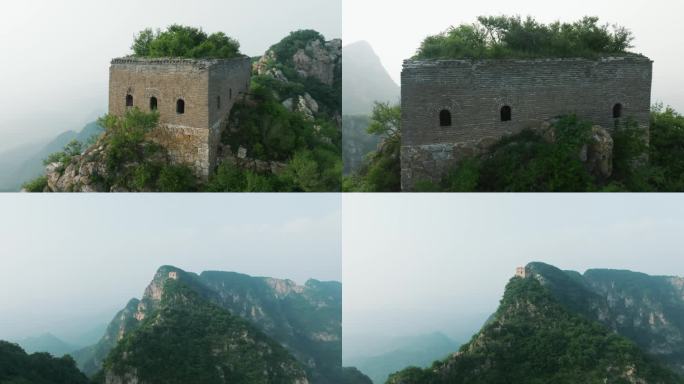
{"x": 474, "y": 91}
{"x": 190, "y": 138}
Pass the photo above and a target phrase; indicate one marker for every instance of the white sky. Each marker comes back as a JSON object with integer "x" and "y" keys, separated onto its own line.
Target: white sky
{"x": 55, "y": 54}
{"x": 395, "y": 29}
{"x": 73, "y": 261}
{"x": 419, "y": 263}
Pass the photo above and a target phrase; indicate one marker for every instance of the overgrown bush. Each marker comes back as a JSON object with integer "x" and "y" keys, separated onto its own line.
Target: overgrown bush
{"x": 381, "y": 171}
{"x": 182, "y": 41}
{"x": 36, "y": 185}
{"x": 512, "y": 37}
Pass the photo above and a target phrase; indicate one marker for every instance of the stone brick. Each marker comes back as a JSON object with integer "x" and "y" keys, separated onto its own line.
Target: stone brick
{"x": 208, "y": 87}
{"x": 474, "y": 92}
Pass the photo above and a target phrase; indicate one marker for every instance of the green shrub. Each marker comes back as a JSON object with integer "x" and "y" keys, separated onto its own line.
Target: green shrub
{"x": 36, "y": 185}
{"x": 512, "y": 37}
{"x": 182, "y": 41}
{"x": 176, "y": 178}
{"x": 72, "y": 149}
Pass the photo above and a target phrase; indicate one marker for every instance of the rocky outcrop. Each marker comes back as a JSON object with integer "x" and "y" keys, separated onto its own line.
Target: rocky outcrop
{"x": 319, "y": 60}
{"x": 304, "y": 104}
{"x": 88, "y": 171}
{"x": 596, "y": 155}
{"x": 242, "y": 160}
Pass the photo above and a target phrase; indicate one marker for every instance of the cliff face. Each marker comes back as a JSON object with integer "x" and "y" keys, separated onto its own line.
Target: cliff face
{"x": 649, "y": 310}
{"x": 557, "y": 326}
{"x": 305, "y": 320}
{"x": 188, "y": 339}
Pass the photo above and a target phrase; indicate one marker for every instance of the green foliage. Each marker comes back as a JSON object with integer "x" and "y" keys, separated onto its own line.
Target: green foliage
{"x": 382, "y": 168}
{"x": 512, "y": 37}
{"x": 17, "y": 367}
{"x": 72, "y": 149}
{"x": 527, "y": 163}
{"x": 229, "y": 178}
{"x": 534, "y": 339}
{"x": 287, "y": 47}
{"x": 183, "y": 41}
{"x": 135, "y": 163}
{"x": 329, "y": 98}
{"x": 311, "y": 150}
{"x": 36, "y": 185}
{"x": 189, "y": 339}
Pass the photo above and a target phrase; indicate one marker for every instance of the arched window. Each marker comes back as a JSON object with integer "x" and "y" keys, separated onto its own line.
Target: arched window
{"x": 218, "y": 102}
{"x": 617, "y": 110}
{"x": 153, "y": 103}
{"x": 180, "y": 106}
{"x": 444, "y": 118}
{"x": 506, "y": 113}
{"x": 129, "y": 100}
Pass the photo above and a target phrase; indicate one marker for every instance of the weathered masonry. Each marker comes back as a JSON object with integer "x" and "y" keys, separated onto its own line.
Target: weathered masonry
{"x": 452, "y": 109}
{"x": 193, "y": 97}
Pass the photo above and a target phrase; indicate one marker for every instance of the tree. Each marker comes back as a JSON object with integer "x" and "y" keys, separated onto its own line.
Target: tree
{"x": 183, "y": 41}
{"x": 382, "y": 169}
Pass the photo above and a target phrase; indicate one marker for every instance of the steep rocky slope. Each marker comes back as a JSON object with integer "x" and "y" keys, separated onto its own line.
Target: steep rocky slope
{"x": 306, "y": 320}
{"x": 544, "y": 331}
{"x": 188, "y": 339}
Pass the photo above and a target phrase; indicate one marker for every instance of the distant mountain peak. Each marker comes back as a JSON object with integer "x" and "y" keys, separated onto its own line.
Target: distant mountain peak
{"x": 630, "y": 325}
{"x": 306, "y": 320}
{"x": 364, "y": 80}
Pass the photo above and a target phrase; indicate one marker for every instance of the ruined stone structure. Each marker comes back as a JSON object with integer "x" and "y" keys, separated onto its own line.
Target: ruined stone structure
{"x": 193, "y": 97}
{"x": 173, "y": 275}
{"x": 521, "y": 272}
{"x": 452, "y": 109}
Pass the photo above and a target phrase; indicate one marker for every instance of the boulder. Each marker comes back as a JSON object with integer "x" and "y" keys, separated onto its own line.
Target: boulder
{"x": 597, "y": 155}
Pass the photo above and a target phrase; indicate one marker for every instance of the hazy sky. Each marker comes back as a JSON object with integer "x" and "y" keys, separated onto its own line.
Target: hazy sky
{"x": 55, "y": 62}
{"x": 69, "y": 261}
{"x": 419, "y": 263}
{"x": 395, "y": 29}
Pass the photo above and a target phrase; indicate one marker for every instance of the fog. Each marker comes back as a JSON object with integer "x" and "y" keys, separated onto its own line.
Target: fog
{"x": 55, "y": 61}
{"x": 396, "y": 29}
{"x": 70, "y": 262}
{"x": 419, "y": 263}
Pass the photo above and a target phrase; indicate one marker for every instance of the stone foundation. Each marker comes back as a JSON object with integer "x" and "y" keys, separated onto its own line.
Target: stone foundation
{"x": 188, "y": 146}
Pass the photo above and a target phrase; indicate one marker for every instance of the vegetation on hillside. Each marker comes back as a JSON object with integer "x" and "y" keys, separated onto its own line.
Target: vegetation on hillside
{"x": 17, "y": 367}
{"x": 499, "y": 37}
{"x": 534, "y": 339}
{"x": 187, "y": 42}
{"x": 189, "y": 340}
{"x": 381, "y": 171}
{"x": 526, "y": 162}
{"x": 308, "y": 148}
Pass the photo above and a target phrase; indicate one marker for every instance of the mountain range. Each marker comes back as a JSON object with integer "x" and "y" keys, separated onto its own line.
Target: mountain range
{"x": 22, "y": 164}
{"x": 279, "y": 331}
{"x": 603, "y": 326}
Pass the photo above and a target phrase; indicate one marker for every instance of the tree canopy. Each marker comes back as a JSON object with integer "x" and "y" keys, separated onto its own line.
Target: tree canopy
{"x": 182, "y": 41}
{"x": 499, "y": 37}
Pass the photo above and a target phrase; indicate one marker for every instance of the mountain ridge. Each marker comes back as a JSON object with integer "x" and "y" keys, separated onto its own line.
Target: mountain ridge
{"x": 553, "y": 326}
{"x": 305, "y": 319}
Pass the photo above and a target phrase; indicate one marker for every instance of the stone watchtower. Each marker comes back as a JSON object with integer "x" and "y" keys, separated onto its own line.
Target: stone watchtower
{"x": 452, "y": 109}
{"x": 521, "y": 272}
{"x": 193, "y": 98}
